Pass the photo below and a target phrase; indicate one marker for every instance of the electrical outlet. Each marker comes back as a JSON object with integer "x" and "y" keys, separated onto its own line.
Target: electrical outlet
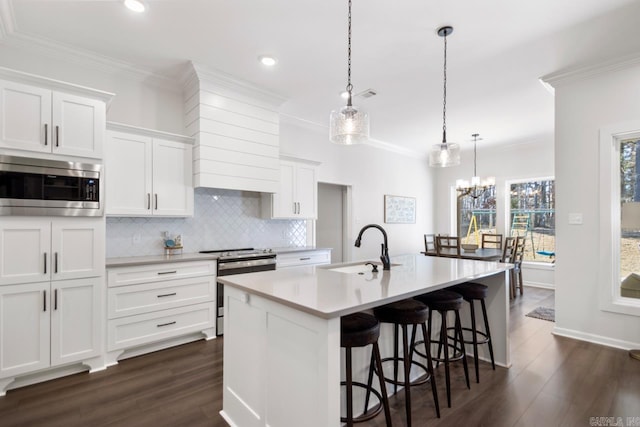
{"x": 136, "y": 238}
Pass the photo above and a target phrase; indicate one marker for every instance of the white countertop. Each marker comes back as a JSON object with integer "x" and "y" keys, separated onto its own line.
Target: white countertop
{"x": 325, "y": 293}
{"x": 157, "y": 259}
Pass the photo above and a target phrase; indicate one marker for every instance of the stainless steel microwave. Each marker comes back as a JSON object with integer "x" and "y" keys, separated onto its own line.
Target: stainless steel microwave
{"x": 31, "y": 186}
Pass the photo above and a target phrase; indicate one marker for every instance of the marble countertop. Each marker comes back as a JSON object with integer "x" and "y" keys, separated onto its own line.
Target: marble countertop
{"x": 157, "y": 259}
{"x": 336, "y": 290}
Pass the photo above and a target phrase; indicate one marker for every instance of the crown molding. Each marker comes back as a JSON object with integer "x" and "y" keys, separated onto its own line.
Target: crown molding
{"x": 41, "y": 46}
{"x": 324, "y": 129}
{"x": 153, "y": 133}
{"x": 219, "y": 78}
{"x": 587, "y": 71}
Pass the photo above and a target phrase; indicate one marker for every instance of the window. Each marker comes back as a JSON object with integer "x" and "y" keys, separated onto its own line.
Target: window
{"x": 630, "y": 218}
{"x": 532, "y": 215}
{"x": 477, "y": 215}
{"x": 618, "y": 233}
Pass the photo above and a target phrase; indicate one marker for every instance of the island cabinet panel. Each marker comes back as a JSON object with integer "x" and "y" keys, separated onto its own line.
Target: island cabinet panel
{"x": 291, "y": 358}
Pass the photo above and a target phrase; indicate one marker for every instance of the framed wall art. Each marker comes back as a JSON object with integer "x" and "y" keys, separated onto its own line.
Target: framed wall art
{"x": 399, "y": 210}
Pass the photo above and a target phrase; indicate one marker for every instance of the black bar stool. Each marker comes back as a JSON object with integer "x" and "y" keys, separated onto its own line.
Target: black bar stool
{"x": 401, "y": 314}
{"x": 476, "y": 292}
{"x": 360, "y": 330}
{"x": 443, "y": 302}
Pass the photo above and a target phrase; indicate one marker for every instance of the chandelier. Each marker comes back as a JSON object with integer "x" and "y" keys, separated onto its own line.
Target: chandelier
{"x": 349, "y": 125}
{"x": 477, "y": 186}
{"x": 444, "y": 155}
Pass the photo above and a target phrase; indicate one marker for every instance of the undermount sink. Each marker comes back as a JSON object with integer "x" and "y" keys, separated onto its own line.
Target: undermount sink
{"x": 355, "y": 267}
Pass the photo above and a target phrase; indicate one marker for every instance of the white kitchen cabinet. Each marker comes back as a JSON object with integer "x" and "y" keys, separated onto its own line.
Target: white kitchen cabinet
{"x": 298, "y": 192}
{"x": 303, "y": 257}
{"x": 34, "y": 118}
{"x": 148, "y": 173}
{"x": 35, "y": 249}
{"x": 48, "y": 324}
{"x": 155, "y": 306}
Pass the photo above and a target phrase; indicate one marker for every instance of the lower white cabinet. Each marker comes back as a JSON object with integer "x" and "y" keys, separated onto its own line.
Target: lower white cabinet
{"x": 48, "y": 324}
{"x": 150, "y": 305}
{"x": 303, "y": 257}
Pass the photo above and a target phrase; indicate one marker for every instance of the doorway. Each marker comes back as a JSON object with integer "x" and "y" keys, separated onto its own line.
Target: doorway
{"x": 333, "y": 225}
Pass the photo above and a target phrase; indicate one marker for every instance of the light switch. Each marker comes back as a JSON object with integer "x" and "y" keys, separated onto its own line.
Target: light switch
{"x": 575, "y": 218}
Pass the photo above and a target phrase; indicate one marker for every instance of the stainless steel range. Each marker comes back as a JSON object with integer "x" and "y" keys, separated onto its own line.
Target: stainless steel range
{"x": 238, "y": 261}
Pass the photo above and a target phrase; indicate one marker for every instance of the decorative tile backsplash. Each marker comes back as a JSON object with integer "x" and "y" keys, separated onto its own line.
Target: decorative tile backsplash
{"x": 223, "y": 219}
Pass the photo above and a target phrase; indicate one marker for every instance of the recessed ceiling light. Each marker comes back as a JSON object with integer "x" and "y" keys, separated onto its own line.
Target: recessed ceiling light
{"x": 344, "y": 94}
{"x": 135, "y": 5}
{"x": 267, "y": 60}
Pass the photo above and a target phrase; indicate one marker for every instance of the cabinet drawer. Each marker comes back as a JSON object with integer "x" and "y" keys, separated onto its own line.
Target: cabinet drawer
{"x": 137, "y": 330}
{"x": 303, "y": 258}
{"x": 148, "y": 297}
{"x": 122, "y": 276}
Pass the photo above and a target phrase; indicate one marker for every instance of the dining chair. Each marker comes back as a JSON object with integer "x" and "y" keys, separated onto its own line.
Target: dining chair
{"x": 447, "y": 243}
{"x": 508, "y": 251}
{"x": 430, "y": 244}
{"x": 492, "y": 241}
{"x": 518, "y": 255}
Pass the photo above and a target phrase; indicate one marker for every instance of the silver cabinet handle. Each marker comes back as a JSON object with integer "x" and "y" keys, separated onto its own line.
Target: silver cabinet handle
{"x": 57, "y": 135}
{"x": 46, "y": 134}
{"x": 45, "y": 263}
{"x": 55, "y": 299}
{"x": 55, "y": 265}
{"x": 167, "y": 272}
{"x": 44, "y": 300}
{"x": 156, "y": 200}
{"x": 148, "y": 200}
{"x": 167, "y": 295}
{"x": 305, "y": 259}
{"x": 166, "y": 324}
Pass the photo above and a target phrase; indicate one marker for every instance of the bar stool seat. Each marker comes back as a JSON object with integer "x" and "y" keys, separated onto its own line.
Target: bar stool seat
{"x": 444, "y": 301}
{"x": 402, "y": 314}
{"x": 360, "y": 330}
{"x": 477, "y": 292}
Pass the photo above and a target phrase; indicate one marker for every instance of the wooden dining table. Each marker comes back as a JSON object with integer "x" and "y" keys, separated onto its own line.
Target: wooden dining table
{"x": 480, "y": 254}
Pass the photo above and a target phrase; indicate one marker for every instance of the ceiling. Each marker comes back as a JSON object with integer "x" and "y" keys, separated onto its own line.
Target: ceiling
{"x": 498, "y": 51}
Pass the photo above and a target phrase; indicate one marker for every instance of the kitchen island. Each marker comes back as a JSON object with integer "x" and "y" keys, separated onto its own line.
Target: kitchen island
{"x": 282, "y": 358}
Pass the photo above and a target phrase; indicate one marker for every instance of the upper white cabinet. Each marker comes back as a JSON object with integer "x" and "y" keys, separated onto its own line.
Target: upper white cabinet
{"x": 298, "y": 192}
{"x": 48, "y": 116}
{"x": 34, "y": 249}
{"x": 147, "y": 172}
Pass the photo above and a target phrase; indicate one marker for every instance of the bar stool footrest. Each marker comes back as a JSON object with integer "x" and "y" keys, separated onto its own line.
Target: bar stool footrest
{"x": 485, "y": 338}
{"x": 370, "y": 413}
{"x": 418, "y": 381}
{"x": 457, "y": 354}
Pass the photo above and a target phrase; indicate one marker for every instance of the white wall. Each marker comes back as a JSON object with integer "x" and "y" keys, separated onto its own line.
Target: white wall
{"x": 372, "y": 173}
{"x": 583, "y": 106}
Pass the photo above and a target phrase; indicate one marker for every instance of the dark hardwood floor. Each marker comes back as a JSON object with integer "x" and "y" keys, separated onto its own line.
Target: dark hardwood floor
{"x": 554, "y": 381}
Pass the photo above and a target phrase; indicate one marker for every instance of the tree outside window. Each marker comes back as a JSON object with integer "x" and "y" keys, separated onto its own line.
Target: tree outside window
{"x": 477, "y": 215}
{"x": 532, "y": 215}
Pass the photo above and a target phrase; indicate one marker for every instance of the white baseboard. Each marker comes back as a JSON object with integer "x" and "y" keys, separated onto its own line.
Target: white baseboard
{"x": 595, "y": 339}
{"x": 540, "y": 285}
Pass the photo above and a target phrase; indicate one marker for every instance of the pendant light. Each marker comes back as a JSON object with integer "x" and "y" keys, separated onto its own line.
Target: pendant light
{"x": 349, "y": 125}
{"x": 478, "y": 185}
{"x": 444, "y": 154}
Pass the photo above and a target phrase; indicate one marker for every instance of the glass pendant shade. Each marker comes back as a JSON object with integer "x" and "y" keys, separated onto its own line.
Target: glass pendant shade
{"x": 444, "y": 155}
{"x": 349, "y": 126}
